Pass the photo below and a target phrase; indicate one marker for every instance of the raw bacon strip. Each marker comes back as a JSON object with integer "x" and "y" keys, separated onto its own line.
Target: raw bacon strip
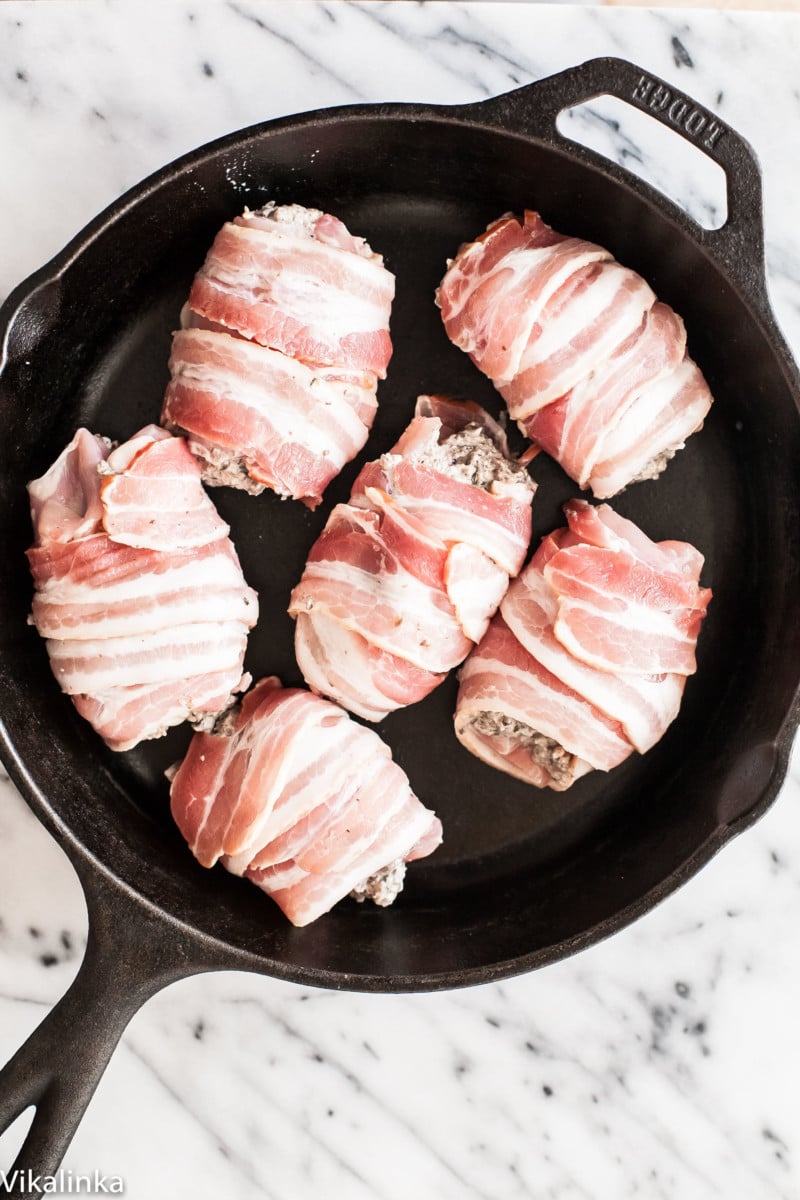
{"x": 405, "y": 577}
{"x": 290, "y": 426}
{"x": 285, "y": 336}
{"x": 501, "y": 674}
{"x": 495, "y": 296}
{"x": 606, "y": 304}
{"x": 643, "y": 705}
{"x": 98, "y": 587}
{"x": 301, "y": 800}
{"x": 354, "y": 577}
{"x": 621, "y": 610}
{"x": 273, "y": 279}
{"x": 592, "y": 368}
{"x": 139, "y": 592}
{"x": 442, "y": 470}
{"x": 599, "y": 525}
{"x": 475, "y": 586}
{"x": 150, "y": 496}
{"x": 573, "y": 430}
{"x": 450, "y": 509}
{"x": 341, "y": 664}
{"x": 161, "y": 655}
{"x": 65, "y": 501}
{"x": 654, "y": 429}
{"x": 587, "y": 659}
{"x": 123, "y": 712}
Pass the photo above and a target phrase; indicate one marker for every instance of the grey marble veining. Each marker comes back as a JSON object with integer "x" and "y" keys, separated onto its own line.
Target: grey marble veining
{"x": 660, "y": 1063}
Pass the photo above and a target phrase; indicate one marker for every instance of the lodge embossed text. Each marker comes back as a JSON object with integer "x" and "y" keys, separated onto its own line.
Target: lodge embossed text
{"x": 679, "y": 111}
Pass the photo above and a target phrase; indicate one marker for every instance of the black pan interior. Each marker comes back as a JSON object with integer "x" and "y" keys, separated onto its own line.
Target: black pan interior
{"x": 523, "y": 876}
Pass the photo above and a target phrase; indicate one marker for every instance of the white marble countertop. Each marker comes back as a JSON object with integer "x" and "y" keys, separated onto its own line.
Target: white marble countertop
{"x": 661, "y": 1063}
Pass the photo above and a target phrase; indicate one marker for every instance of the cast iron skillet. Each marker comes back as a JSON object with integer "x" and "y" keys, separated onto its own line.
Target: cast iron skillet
{"x": 523, "y": 878}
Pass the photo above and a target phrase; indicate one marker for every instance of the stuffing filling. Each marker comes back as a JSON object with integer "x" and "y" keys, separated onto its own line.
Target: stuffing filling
{"x": 471, "y": 456}
{"x": 544, "y": 751}
{"x": 301, "y": 219}
{"x": 218, "y": 468}
{"x": 384, "y": 886}
{"x": 653, "y": 469}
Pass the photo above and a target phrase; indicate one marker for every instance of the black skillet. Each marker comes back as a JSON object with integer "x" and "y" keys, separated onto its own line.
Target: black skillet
{"x": 523, "y": 878}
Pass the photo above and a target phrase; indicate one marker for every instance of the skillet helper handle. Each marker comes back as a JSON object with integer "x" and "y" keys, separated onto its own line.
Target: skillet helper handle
{"x": 129, "y": 957}
{"x": 739, "y": 243}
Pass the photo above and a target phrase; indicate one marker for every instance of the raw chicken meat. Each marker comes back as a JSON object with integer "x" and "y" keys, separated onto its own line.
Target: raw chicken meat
{"x": 588, "y": 657}
{"x": 139, "y": 591}
{"x": 295, "y": 796}
{"x": 593, "y": 369}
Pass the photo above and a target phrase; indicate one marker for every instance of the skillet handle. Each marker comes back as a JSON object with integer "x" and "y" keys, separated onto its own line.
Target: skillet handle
{"x": 130, "y": 955}
{"x": 739, "y": 243}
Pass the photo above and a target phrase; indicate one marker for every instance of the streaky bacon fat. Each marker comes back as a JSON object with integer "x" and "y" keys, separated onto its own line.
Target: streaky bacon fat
{"x": 588, "y": 657}
{"x": 405, "y": 577}
{"x": 593, "y": 369}
{"x": 285, "y": 336}
{"x": 138, "y": 589}
{"x": 301, "y": 800}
